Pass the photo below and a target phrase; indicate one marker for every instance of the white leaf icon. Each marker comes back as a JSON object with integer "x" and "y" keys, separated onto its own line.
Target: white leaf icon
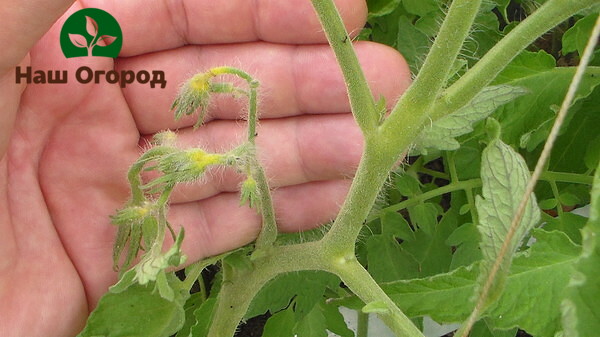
{"x": 107, "y": 39}
{"x": 78, "y": 40}
{"x": 91, "y": 26}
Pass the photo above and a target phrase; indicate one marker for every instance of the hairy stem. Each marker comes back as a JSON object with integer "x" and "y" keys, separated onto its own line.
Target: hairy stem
{"x": 241, "y": 286}
{"x": 457, "y": 186}
{"x": 361, "y": 99}
{"x": 268, "y": 231}
{"x": 354, "y": 275}
{"x": 253, "y": 111}
{"x": 370, "y": 177}
{"x": 539, "y": 167}
{"x": 470, "y": 184}
{"x": 496, "y": 59}
{"x": 412, "y": 109}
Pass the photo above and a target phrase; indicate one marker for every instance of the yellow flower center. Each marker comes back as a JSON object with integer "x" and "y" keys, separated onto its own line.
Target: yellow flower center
{"x": 202, "y": 159}
{"x": 200, "y": 82}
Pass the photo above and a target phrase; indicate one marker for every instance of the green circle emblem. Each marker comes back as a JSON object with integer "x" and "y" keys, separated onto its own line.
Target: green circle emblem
{"x": 91, "y": 32}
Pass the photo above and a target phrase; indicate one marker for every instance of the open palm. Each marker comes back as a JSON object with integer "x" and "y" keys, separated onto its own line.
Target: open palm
{"x": 65, "y": 156}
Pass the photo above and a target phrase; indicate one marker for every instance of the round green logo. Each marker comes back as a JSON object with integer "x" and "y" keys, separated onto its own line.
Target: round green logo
{"x": 91, "y": 32}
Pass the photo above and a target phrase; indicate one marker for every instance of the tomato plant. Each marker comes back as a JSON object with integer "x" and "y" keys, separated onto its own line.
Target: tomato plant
{"x": 473, "y": 225}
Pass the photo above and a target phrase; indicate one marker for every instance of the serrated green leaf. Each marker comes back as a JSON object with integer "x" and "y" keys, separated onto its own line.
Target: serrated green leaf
{"x": 502, "y": 5}
{"x": 464, "y": 209}
{"x": 424, "y": 216}
{"x": 581, "y": 307}
{"x": 526, "y": 64}
{"x": 138, "y": 311}
{"x": 466, "y": 240}
{"x": 424, "y": 255}
{"x": 481, "y": 329}
{"x": 239, "y": 260}
{"x": 335, "y": 320}
{"x": 533, "y": 112}
{"x": 387, "y": 261}
{"x": 411, "y": 43}
{"x": 485, "y": 35}
{"x": 429, "y": 249}
{"x": 442, "y": 133}
{"x": 429, "y": 24}
{"x": 592, "y": 154}
{"x": 568, "y": 223}
{"x": 281, "y": 324}
{"x": 193, "y": 302}
{"x": 576, "y": 37}
{"x": 548, "y": 204}
{"x": 420, "y": 7}
{"x": 529, "y": 301}
{"x": 504, "y": 175}
{"x": 467, "y": 160}
{"x": 381, "y": 7}
{"x": 312, "y": 325}
{"x": 394, "y": 224}
{"x": 408, "y": 185}
{"x": 577, "y": 138}
{"x": 569, "y": 199}
{"x": 203, "y": 315}
{"x": 279, "y": 292}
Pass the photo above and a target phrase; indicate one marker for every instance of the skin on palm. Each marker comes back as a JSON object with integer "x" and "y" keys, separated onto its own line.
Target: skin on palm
{"x": 64, "y": 172}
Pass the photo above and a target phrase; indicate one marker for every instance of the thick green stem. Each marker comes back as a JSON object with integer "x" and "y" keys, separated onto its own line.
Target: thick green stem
{"x": 370, "y": 177}
{"x": 240, "y": 287}
{"x": 543, "y": 19}
{"x": 412, "y": 109}
{"x": 233, "y": 301}
{"x": 361, "y": 99}
{"x": 354, "y": 275}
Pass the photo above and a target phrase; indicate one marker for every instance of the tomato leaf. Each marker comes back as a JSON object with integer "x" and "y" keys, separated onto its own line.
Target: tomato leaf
{"x": 576, "y": 37}
{"x": 536, "y": 277}
{"x": 581, "y": 307}
{"x": 138, "y": 311}
{"x": 504, "y": 175}
{"x": 442, "y": 133}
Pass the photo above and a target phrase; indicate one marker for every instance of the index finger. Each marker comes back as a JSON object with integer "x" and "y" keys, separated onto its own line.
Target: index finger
{"x": 150, "y": 26}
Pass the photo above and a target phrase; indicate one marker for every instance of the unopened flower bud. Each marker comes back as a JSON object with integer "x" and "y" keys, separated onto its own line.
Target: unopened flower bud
{"x": 249, "y": 192}
{"x": 133, "y": 214}
{"x": 165, "y": 138}
{"x": 185, "y": 166}
{"x": 194, "y": 95}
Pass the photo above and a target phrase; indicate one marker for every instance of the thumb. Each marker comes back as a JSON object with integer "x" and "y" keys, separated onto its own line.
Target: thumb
{"x": 23, "y": 24}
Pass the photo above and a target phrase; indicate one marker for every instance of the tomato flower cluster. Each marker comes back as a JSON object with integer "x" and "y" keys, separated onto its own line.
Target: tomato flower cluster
{"x": 142, "y": 223}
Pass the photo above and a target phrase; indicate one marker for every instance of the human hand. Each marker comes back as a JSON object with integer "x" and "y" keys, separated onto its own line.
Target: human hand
{"x": 65, "y": 148}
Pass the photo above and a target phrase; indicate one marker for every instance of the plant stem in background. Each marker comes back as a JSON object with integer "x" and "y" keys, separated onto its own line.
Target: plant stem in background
{"x": 362, "y": 324}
